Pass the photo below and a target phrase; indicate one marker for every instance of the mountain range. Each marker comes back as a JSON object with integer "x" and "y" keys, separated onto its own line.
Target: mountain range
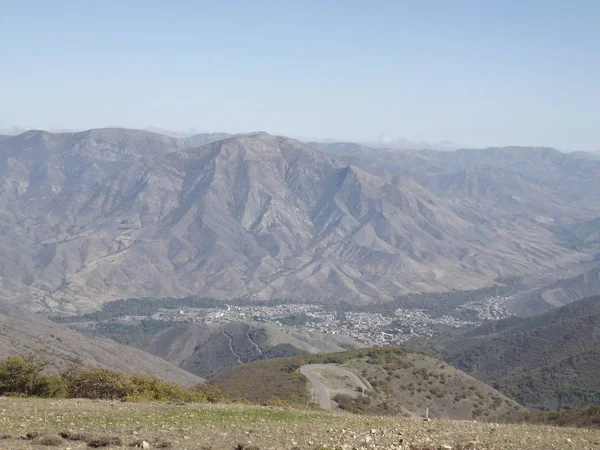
{"x": 112, "y": 213}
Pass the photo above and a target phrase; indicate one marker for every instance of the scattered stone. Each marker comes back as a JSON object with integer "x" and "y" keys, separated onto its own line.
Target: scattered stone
{"x": 104, "y": 441}
{"x": 32, "y": 435}
{"x": 50, "y": 440}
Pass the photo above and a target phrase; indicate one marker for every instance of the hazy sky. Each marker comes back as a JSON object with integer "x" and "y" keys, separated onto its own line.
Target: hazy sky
{"x": 474, "y": 72}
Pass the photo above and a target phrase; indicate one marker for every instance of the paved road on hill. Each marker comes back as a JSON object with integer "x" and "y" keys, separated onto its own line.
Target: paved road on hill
{"x": 309, "y": 371}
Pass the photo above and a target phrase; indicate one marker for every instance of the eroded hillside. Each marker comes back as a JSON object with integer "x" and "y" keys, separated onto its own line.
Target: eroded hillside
{"x": 106, "y": 214}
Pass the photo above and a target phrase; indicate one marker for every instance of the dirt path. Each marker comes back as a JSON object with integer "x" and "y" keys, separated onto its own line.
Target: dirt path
{"x": 260, "y": 352}
{"x": 315, "y": 372}
{"x": 230, "y": 339}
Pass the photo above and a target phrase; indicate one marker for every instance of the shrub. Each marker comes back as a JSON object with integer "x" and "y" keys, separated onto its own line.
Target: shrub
{"x": 211, "y": 393}
{"x": 24, "y": 376}
{"x": 33, "y": 435}
{"x": 588, "y": 417}
{"x": 98, "y": 383}
{"x": 154, "y": 389}
{"x": 291, "y": 366}
{"x": 497, "y": 402}
{"x": 72, "y": 436}
{"x": 104, "y": 441}
{"x": 354, "y": 405}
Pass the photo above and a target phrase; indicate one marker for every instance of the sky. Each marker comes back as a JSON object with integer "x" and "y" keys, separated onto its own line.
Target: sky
{"x": 478, "y": 73}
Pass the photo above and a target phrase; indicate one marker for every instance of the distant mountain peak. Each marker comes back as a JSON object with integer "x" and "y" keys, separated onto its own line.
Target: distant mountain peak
{"x": 258, "y": 134}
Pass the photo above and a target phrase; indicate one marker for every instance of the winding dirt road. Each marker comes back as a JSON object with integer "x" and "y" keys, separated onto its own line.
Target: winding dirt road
{"x": 312, "y": 372}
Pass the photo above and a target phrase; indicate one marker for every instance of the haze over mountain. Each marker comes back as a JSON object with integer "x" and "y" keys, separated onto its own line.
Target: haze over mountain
{"x": 10, "y": 130}
{"x": 104, "y": 214}
{"x": 556, "y": 294}
{"x": 402, "y": 143}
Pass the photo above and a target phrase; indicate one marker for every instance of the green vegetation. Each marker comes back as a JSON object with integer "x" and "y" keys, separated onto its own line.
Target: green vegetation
{"x": 125, "y": 333}
{"x": 147, "y": 306}
{"x": 439, "y": 304}
{"x": 537, "y": 386}
{"x": 546, "y": 362}
{"x": 269, "y": 381}
{"x": 286, "y": 384}
{"x": 297, "y": 320}
{"x": 356, "y": 405}
{"x": 144, "y": 307}
{"x": 24, "y": 376}
{"x": 436, "y": 304}
{"x": 574, "y": 417}
{"x": 401, "y": 381}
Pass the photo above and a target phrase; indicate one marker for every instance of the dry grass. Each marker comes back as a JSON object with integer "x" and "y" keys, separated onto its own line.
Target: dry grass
{"x": 404, "y": 382}
{"x": 225, "y": 427}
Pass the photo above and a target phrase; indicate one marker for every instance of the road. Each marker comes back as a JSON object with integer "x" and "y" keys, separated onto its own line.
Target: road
{"x": 323, "y": 392}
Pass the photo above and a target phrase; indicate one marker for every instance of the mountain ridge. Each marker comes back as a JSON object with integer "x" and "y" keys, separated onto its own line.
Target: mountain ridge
{"x": 108, "y": 214}
{"x": 546, "y": 361}
{"x": 394, "y": 381}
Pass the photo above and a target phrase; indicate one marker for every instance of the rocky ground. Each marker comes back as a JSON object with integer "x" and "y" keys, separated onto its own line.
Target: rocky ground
{"x": 77, "y": 424}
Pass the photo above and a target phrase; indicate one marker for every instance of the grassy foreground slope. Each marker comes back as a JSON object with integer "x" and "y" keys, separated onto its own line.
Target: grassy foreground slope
{"x": 401, "y": 382}
{"x": 83, "y": 423}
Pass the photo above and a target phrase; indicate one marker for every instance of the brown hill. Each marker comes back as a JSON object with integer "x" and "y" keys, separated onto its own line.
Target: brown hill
{"x": 548, "y": 361}
{"x": 399, "y": 381}
{"x": 208, "y": 349}
{"x": 21, "y": 333}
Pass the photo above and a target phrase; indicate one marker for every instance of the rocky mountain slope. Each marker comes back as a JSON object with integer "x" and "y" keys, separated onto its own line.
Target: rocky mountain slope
{"x": 23, "y": 333}
{"x": 547, "y": 361}
{"x": 555, "y": 294}
{"x": 105, "y": 214}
